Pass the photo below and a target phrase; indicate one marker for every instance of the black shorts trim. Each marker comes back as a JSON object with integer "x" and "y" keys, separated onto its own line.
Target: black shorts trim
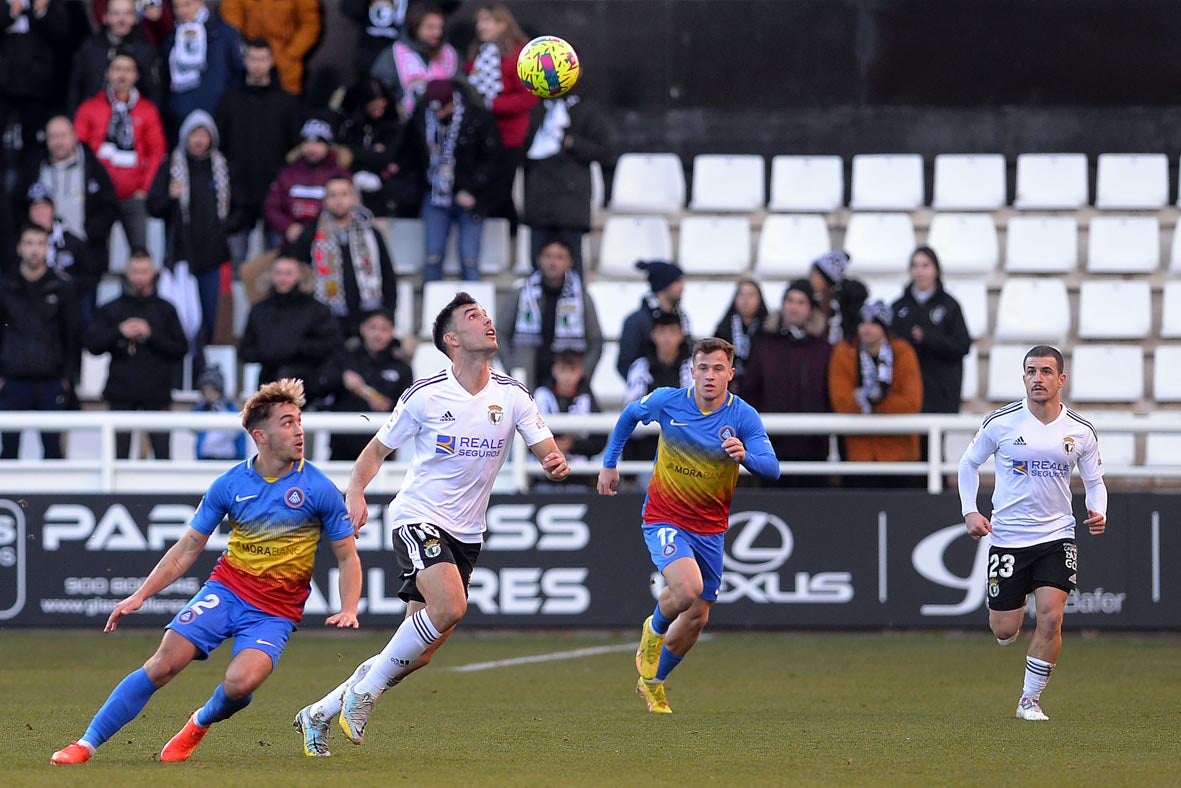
{"x": 419, "y": 545}
{"x": 1015, "y": 572}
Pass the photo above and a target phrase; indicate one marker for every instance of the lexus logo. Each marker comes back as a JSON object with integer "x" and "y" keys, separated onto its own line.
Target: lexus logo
{"x": 743, "y": 556}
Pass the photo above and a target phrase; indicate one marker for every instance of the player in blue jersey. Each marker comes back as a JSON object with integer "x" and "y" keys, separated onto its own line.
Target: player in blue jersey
{"x": 278, "y": 505}
{"x": 705, "y": 434}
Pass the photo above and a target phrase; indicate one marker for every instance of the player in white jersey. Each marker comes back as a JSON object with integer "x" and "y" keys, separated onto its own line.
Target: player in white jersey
{"x": 461, "y": 421}
{"x": 1037, "y": 442}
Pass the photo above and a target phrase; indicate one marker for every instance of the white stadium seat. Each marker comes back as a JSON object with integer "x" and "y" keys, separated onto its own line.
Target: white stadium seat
{"x": 1123, "y": 245}
{"x": 1171, "y": 310}
{"x": 436, "y": 295}
{"x": 1032, "y": 310}
{"x": 1166, "y": 385}
{"x": 251, "y": 372}
{"x": 225, "y": 358}
{"x": 1041, "y": 245}
{"x": 1056, "y": 181}
{"x": 705, "y": 302}
{"x": 1117, "y": 448}
{"x": 1163, "y": 448}
{"x": 109, "y": 288}
{"x": 1106, "y": 373}
{"x": 1132, "y": 181}
{"x": 407, "y": 244}
{"x": 807, "y": 183}
{"x": 1114, "y": 309}
{"x": 627, "y": 239}
{"x": 1004, "y": 372}
{"x": 495, "y": 243}
{"x": 965, "y": 242}
{"x": 879, "y": 243}
{"x": 729, "y": 183}
{"x": 788, "y": 243}
{"x": 972, "y": 295}
{"x": 404, "y": 315}
{"x": 969, "y": 182}
{"x": 970, "y": 387}
{"x": 884, "y": 288}
{"x": 648, "y": 183}
{"x": 887, "y": 182}
{"x": 614, "y": 300}
{"x": 605, "y": 382}
{"x": 714, "y": 245}
{"x": 428, "y": 360}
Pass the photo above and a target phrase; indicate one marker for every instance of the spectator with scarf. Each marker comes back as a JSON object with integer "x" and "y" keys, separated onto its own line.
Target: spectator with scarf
{"x": 492, "y": 71}
{"x": 296, "y": 197}
{"x": 421, "y": 56}
{"x": 667, "y": 362}
{"x": 68, "y": 254}
{"x": 119, "y": 31}
{"x": 449, "y": 153}
{"x": 553, "y": 313}
{"x": 667, "y": 283}
{"x": 371, "y": 134}
{"x": 352, "y": 271}
{"x": 566, "y": 135}
{"x": 569, "y": 392}
{"x": 876, "y": 372}
{"x": 742, "y": 321}
{"x": 192, "y": 194}
{"x": 838, "y": 299}
{"x": 203, "y": 57}
{"x": 125, "y": 132}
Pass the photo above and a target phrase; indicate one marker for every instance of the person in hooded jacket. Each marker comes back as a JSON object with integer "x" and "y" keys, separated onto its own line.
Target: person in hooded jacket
{"x": 932, "y": 321}
{"x": 192, "y": 192}
{"x": 143, "y": 334}
{"x": 372, "y": 133}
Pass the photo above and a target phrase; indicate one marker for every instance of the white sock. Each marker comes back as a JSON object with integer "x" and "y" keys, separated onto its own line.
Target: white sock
{"x": 1037, "y": 675}
{"x": 88, "y": 745}
{"x": 412, "y": 638}
{"x": 328, "y": 706}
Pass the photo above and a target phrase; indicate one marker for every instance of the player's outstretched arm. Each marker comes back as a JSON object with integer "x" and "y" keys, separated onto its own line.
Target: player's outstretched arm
{"x": 171, "y": 566}
{"x": 349, "y": 564}
{"x": 364, "y": 469}
{"x": 553, "y": 462}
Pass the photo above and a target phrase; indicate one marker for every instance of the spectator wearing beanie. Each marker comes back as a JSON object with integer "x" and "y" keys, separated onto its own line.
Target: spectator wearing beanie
{"x": 838, "y": 299}
{"x": 666, "y": 283}
{"x": 296, "y": 197}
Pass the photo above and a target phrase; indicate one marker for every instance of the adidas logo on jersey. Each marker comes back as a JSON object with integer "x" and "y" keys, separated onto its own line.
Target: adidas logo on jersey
{"x": 1019, "y": 442}
{"x": 447, "y": 417}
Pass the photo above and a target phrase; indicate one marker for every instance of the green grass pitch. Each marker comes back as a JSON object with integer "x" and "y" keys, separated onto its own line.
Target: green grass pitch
{"x": 750, "y": 709}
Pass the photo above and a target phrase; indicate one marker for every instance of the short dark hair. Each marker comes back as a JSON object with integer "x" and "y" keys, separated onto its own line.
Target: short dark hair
{"x": 1045, "y": 351}
{"x": 122, "y": 51}
{"x": 551, "y": 240}
{"x": 30, "y": 227}
{"x": 567, "y": 358}
{"x": 339, "y": 177}
{"x": 713, "y": 345}
{"x": 257, "y": 43}
{"x": 139, "y": 251}
{"x": 445, "y": 320}
{"x": 663, "y": 318}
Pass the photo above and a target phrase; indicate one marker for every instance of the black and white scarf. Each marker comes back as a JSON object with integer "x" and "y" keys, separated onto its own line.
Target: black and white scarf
{"x": 485, "y": 76}
{"x": 569, "y": 322}
{"x": 652, "y": 304}
{"x": 877, "y": 376}
{"x": 741, "y": 335}
{"x": 178, "y": 170}
{"x": 189, "y": 52}
{"x": 548, "y": 139}
{"x": 328, "y": 264}
{"x": 442, "y": 141}
{"x": 121, "y": 128}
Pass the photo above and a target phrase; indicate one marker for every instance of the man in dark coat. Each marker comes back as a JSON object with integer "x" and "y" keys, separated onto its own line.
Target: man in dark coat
{"x": 289, "y": 332}
{"x": 143, "y": 334}
{"x": 667, "y": 283}
{"x": 565, "y": 136}
{"x": 120, "y": 32}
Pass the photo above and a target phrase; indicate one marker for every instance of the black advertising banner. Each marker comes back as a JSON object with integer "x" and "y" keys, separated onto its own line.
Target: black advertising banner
{"x": 848, "y": 559}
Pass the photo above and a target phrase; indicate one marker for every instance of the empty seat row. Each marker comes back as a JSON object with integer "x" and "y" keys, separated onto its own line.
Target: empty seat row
{"x": 1095, "y": 373}
{"x": 967, "y": 244}
{"x": 655, "y": 182}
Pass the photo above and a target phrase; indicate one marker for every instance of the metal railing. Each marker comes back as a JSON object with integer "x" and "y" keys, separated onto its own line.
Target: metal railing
{"x": 103, "y": 473}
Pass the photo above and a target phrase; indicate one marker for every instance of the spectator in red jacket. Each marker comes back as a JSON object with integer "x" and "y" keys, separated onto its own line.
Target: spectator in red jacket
{"x": 125, "y": 132}
{"x": 297, "y": 195}
{"x": 492, "y": 71}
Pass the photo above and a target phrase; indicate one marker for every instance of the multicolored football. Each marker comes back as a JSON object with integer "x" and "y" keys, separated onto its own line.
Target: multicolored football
{"x": 548, "y": 67}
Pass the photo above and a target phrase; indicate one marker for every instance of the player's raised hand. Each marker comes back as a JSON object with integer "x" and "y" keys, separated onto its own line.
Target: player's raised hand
{"x": 734, "y": 448}
{"x": 608, "y": 481}
{"x": 343, "y": 620}
{"x": 124, "y": 608}
{"x": 354, "y": 501}
{"x": 555, "y": 466}
{"x": 1096, "y": 522}
{"x": 978, "y": 525}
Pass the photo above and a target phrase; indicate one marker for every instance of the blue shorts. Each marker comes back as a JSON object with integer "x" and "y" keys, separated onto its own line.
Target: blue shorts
{"x": 216, "y": 613}
{"x": 667, "y": 543}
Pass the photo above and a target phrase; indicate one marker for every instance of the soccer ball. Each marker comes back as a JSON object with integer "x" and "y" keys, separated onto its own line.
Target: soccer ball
{"x": 548, "y": 67}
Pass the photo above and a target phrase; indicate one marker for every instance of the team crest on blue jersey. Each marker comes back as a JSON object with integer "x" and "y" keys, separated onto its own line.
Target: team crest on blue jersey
{"x": 727, "y": 432}
{"x": 294, "y": 497}
{"x": 1068, "y": 444}
{"x": 186, "y": 616}
{"x": 495, "y": 414}
{"x": 445, "y": 444}
{"x": 1020, "y": 467}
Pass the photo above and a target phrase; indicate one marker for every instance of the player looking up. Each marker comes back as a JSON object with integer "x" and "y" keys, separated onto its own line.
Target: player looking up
{"x": 1036, "y": 442}
{"x": 705, "y": 434}
{"x": 461, "y": 420}
{"x": 278, "y": 504}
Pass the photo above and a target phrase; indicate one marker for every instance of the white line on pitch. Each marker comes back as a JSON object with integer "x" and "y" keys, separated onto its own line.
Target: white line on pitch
{"x": 551, "y": 657}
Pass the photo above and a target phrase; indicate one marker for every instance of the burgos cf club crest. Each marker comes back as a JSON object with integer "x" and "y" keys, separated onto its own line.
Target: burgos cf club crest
{"x": 1068, "y": 444}
{"x": 495, "y": 414}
